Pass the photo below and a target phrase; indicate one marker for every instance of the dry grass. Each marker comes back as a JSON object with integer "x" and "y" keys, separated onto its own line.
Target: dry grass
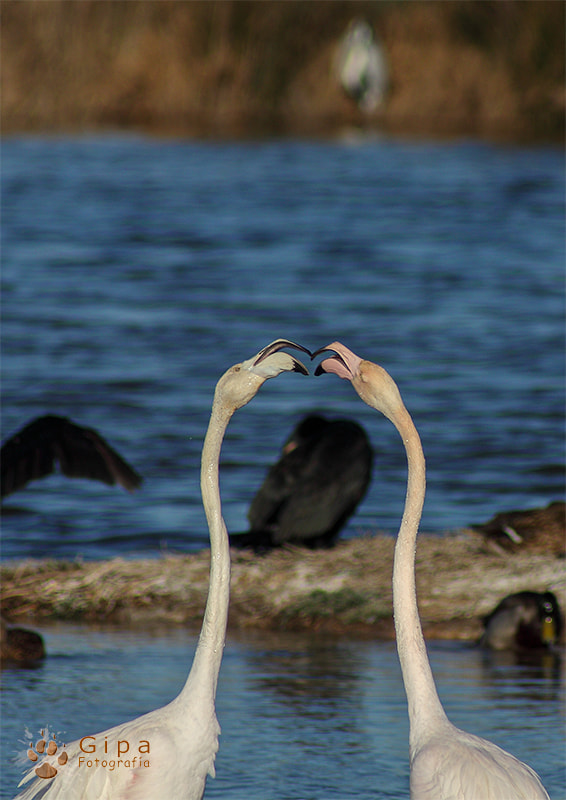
{"x": 235, "y": 68}
{"x": 345, "y": 590}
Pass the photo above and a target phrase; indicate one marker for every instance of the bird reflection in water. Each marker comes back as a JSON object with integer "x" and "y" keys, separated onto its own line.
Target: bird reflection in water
{"x": 315, "y": 675}
{"x": 536, "y": 674}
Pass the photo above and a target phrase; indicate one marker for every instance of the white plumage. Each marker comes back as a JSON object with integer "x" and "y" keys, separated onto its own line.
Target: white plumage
{"x": 361, "y": 66}
{"x": 180, "y": 740}
{"x": 446, "y": 763}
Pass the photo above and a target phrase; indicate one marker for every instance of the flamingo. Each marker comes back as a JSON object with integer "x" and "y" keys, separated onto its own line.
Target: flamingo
{"x": 446, "y": 762}
{"x": 170, "y": 751}
{"x": 308, "y": 495}
{"x": 33, "y": 451}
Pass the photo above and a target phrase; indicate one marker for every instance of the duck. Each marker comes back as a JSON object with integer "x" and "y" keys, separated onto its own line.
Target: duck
{"x": 538, "y": 530}
{"x": 20, "y": 645}
{"x": 524, "y": 620}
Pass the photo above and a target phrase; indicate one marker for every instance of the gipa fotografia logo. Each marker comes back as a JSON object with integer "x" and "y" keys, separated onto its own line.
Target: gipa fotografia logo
{"x": 97, "y": 751}
{"x": 47, "y": 753}
{"x": 50, "y": 755}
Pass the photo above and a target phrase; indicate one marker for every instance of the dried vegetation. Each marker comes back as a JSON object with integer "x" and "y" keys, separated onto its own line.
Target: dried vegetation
{"x": 227, "y": 68}
{"x": 343, "y": 590}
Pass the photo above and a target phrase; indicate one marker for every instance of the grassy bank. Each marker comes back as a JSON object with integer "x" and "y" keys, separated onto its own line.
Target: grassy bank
{"x": 249, "y": 68}
{"x": 344, "y": 590}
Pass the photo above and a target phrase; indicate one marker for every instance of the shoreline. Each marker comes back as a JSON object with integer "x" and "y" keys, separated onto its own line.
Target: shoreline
{"x": 345, "y": 590}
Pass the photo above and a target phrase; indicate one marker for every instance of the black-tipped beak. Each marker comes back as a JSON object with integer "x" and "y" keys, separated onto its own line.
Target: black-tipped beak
{"x": 300, "y": 367}
{"x": 320, "y": 369}
{"x": 280, "y": 344}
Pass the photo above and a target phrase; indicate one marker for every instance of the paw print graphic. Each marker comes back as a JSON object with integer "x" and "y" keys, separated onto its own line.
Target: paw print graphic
{"x": 46, "y": 769}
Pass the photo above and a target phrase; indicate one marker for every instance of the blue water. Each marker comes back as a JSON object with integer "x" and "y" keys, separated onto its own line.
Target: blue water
{"x": 135, "y": 271}
{"x": 303, "y": 717}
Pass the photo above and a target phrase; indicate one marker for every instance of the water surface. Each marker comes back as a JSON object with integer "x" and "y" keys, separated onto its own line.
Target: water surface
{"x": 302, "y": 716}
{"x": 135, "y": 271}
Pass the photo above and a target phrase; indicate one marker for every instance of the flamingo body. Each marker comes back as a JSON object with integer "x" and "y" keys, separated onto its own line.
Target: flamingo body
{"x": 456, "y": 764}
{"x": 446, "y": 762}
{"x": 180, "y": 740}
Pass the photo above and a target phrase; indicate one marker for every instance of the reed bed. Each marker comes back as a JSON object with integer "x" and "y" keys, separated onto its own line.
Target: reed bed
{"x": 228, "y": 68}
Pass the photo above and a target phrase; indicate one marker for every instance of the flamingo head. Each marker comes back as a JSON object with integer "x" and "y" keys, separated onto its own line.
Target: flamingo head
{"x": 241, "y": 382}
{"x": 373, "y": 384}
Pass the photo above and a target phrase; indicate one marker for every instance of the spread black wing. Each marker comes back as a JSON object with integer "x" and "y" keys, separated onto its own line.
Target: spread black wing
{"x": 34, "y": 452}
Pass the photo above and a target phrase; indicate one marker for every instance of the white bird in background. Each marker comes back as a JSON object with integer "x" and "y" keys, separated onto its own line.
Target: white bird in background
{"x": 180, "y": 740}
{"x": 446, "y": 763}
{"x": 362, "y": 67}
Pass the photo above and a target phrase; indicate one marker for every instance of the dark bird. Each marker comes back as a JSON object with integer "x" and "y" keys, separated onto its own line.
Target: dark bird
{"x": 523, "y": 621}
{"x": 34, "y": 451}
{"x": 309, "y": 494}
{"x": 19, "y": 645}
{"x": 540, "y": 530}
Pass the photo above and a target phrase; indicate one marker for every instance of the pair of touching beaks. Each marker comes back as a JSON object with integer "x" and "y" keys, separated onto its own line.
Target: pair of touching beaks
{"x": 346, "y": 360}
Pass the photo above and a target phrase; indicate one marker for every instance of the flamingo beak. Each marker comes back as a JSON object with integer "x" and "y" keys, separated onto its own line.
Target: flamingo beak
{"x": 321, "y": 369}
{"x": 279, "y": 344}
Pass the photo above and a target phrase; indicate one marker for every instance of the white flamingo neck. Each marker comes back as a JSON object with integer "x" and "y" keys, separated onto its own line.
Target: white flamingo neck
{"x": 415, "y": 667}
{"x": 208, "y": 656}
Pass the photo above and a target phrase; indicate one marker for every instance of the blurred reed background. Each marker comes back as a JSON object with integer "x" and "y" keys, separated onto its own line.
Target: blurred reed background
{"x": 490, "y": 69}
